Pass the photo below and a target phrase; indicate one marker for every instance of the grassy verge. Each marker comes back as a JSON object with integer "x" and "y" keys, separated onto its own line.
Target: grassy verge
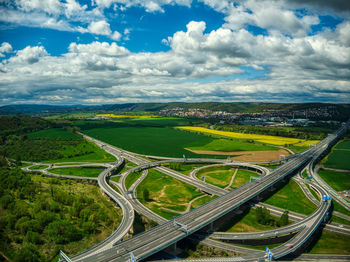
{"x": 292, "y": 198}
{"x": 131, "y": 178}
{"x": 338, "y": 207}
{"x": 218, "y": 176}
{"x": 202, "y": 201}
{"x": 184, "y": 169}
{"x": 167, "y": 192}
{"x": 313, "y": 192}
{"x": 242, "y": 177}
{"x": 339, "y": 181}
{"x": 77, "y": 171}
{"x": 38, "y": 167}
{"x": 340, "y": 220}
{"x": 331, "y": 243}
{"x": 115, "y": 178}
{"x": 245, "y": 222}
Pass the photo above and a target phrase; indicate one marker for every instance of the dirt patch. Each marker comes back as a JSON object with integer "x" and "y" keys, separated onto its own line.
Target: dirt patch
{"x": 247, "y": 156}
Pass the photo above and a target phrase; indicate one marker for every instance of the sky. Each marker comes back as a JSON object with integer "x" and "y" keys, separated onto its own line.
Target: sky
{"x": 92, "y": 52}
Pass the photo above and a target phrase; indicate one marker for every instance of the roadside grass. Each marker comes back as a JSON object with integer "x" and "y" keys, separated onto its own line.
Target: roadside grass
{"x": 188, "y": 168}
{"x": 55, "y": 133}
{"x": 167, "y": 192}
{"x": 331, "y": 243}
{"x": 339, "y": 156}
{"x": 242, "y": 177}
{"x": 338, "y": 207}
{"x": 245, "y": 222}
{"x": 339, "y": 220}
{"x": 115, "y": 178}
{"x": 297, "y": 149}
{"x": 131, "y": 179}
{"x": 228, "y": 145}
{"x": 77, "y": 171}
{"x": 291, "y": 197}
{"x": 273, "y": 140}
{"x": 202, "y": 201}
{"x": 339, "y": 181}
{"x": 260, "y": 247}
{"x": 218, "y": 176}
{"x": 38, "y": 167}
{"x": 313, "y": 192}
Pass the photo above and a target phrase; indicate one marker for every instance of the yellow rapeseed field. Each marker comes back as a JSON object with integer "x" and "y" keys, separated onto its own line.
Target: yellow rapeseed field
{"x": 273, "y": 140}
{"x": 122, "y": 116}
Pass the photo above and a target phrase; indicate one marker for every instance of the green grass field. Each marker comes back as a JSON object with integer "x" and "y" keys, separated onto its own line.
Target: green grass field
{"x": 218, "y": 176}
{"x": 77, "y": 171}
{"x": 245, "y": 222}
{"x": 332, "y": 243}
{"x": 339, "y": 181}
{"x": 140, "y": 136}
{"x": 55, "y": 133}
{"x": 93, "y": 154}
{"x": 339, "y": 157}
{"x": 228, "y": 145}
{"x": 291, "y": 197}
{"x": 339, "y": 220}
{"x": 242, "y": 177}
{"x": 167, "y": 192}
{"x": 131, "y": 178}
{"x": 185, "y": 169}
{"x": 38, "y": 167}
{"x": 202, "y": 201}
{"x": 340, "y": 208}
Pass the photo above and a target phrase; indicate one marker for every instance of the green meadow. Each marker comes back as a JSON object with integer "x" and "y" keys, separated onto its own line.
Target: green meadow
{"x": 156, "y": 136}
{"x": 339, "y": 157}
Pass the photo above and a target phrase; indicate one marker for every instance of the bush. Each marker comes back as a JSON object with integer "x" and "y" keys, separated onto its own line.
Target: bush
{"x": 62, "y": 232}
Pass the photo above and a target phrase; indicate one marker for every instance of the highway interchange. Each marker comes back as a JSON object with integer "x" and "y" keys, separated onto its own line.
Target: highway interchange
{"x": 167, "y": 232}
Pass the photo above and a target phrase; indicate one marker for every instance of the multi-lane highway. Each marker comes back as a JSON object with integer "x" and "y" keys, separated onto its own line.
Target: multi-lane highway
{"x": 157, "y": 238}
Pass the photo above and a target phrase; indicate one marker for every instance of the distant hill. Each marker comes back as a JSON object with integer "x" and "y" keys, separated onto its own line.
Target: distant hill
{"x": 235, "y": 107}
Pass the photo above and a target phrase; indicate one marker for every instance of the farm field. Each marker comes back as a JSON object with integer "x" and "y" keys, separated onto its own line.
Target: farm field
{"x": 55, "y": 133}
{"x": 170, "y": 142}
{"x": 141, "y": 135}
{"x": 339, "y": 181}
{"x": 339, "y": 156}
{"x": 166, "y": 192}
{"x": 126, "y": 116}
{"x": 273, "y": 140}
{"x": 291, "y": 197}
{"x": 227, "y": 145}
{"x": 77, "y": 171}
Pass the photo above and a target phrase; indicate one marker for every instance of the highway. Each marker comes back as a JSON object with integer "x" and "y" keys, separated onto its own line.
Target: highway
{"x": 124, "y": 226}
{"x": 157, "y": 238}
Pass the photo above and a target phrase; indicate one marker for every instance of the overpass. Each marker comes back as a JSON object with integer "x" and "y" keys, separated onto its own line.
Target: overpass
{"x": 157, "y": 238}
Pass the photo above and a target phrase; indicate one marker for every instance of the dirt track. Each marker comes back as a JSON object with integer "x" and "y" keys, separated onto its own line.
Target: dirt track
{"x": 248, "y": 156}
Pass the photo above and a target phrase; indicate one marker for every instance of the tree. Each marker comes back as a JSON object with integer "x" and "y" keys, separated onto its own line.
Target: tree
{"x": 146, "y": 195}
{"x": 283, "y": 219}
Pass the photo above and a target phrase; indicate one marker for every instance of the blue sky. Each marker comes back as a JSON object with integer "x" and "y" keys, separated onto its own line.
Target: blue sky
{"x": 119, "y": 51}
